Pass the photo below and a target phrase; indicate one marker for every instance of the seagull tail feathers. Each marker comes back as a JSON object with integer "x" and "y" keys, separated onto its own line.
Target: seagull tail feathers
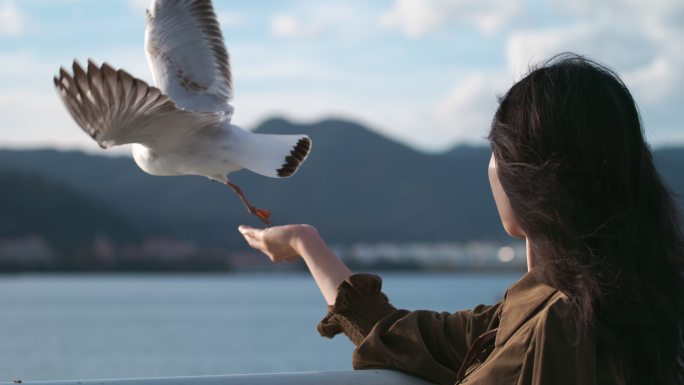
{"x": 275, "y": 156}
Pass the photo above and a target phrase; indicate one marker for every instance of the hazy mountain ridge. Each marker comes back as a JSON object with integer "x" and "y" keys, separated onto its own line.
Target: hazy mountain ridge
{"x": 49, "y": 225}
{"x": 356, "y": 186}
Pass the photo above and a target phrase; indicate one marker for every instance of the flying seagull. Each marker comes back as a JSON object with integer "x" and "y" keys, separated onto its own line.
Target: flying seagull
{"x": 183, "y": 125}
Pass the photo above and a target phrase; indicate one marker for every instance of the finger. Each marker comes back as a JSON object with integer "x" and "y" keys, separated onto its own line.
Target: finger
{"x": 245, "y": 230}
{"x": 250, "y": 232}
{"x": 246, "y": 235}
{"x": 252, "y": 241}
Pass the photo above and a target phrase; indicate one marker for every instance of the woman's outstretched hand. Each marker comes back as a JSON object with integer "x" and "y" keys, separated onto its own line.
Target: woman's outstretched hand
{"x": 280, "y": 243}
{"x": 284, "y": 243}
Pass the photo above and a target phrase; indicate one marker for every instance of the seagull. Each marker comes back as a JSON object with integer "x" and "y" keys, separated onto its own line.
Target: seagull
{"x": 183, "y": 125}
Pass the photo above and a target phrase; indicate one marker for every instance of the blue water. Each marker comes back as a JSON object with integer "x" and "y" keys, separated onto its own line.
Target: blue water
{"x": 114, "y": 326}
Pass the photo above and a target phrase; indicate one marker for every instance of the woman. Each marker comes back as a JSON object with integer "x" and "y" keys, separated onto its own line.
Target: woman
{"x": 603, "y": 299}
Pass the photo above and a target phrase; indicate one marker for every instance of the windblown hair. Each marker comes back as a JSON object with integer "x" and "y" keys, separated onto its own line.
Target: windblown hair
{"x": 572, "y": 159}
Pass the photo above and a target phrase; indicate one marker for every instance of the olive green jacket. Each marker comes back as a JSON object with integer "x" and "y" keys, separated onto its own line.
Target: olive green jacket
{"x": 527, "y": 338}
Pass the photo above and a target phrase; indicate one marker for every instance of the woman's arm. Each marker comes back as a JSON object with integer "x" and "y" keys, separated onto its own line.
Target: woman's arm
{"x": 287, "y": 242}
{"x": 423, "y": 343}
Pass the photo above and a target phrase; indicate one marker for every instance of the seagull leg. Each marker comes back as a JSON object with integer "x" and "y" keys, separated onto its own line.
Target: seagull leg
{"x": 263, "y": 215}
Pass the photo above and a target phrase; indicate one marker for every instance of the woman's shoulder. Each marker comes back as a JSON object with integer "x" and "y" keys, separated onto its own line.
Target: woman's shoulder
{"x": 556, "y": 323}
{"x": 559, "y": 306}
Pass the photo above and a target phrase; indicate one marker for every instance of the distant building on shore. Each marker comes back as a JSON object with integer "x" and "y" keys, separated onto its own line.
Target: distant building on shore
{"x": 474, "y": 255}
{"x": 31, "y": 250}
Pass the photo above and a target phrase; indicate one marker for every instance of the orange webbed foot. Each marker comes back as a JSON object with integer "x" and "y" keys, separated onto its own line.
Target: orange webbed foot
{"x": 262, "y": 214}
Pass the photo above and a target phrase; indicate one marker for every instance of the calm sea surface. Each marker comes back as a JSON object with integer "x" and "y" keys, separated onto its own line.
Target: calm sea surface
{"x": 112, "y": 326}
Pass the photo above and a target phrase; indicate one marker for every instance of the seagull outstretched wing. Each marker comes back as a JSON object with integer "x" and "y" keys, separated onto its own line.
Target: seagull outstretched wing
{"x": 187, "y": 56}
{"x": 115, "y": 108}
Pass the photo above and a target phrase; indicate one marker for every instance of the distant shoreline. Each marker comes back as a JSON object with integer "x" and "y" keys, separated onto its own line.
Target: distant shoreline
{"x": 251, "y": 272}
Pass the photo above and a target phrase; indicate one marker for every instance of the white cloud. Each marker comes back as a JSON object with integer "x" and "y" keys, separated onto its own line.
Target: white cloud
{"x": 32, "y": 113}
{"x": 304, "y": 81}
{"x": 639, "y": 43}
{"x": 339, "y": 20}
{"x": 291, "y": 26}
{"x": 465, "y": 113}
{"x": 139, "y": 5}
{"x": 25, "y": 68}
{"x": 461, "y": 115}
{"x": 414, "y": 18}
{"x": 418, "y": 18}
{"x": 36, "y": 117}
{"x": 225, "y": 18}
{"x": 642, "y": 43}
{"x": 273, "y": 64}
{"x": 284, "y": 69}
{"x": 382, "y": 115}
{"x": 525, "y": 49}
{"x": 662, "y": 11}
{"x": 655, "y": 81}
{"x": 12, "y": 20}
{"x": 230, "y": 19}
{"x": 605, "y": 43}
{"x": 640, "y": 40}
{"x": 131, "y": 59}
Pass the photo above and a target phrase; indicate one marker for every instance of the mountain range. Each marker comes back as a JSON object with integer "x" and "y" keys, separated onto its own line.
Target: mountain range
{"x": 356, "y": 186}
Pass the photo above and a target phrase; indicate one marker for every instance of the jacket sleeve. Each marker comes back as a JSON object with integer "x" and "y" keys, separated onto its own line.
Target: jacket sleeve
{"x": 427, "y": 344}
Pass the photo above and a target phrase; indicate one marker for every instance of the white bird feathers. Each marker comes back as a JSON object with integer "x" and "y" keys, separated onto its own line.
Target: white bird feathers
{"x": 182, "y": 126}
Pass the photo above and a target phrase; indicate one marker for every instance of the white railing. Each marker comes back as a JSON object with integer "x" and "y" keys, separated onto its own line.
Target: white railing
{"x": 356, "y": 377}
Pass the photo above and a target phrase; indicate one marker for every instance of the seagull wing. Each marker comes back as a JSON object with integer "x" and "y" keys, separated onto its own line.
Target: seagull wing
{"x": 115, "y": 108}
{"x": 186, "y": 53}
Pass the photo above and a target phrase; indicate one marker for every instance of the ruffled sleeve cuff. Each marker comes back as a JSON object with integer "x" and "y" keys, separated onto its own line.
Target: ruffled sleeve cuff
{"x": 359, "y": 305}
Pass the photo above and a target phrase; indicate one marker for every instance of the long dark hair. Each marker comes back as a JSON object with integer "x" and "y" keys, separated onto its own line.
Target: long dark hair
{"x": 572, "y": 159}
